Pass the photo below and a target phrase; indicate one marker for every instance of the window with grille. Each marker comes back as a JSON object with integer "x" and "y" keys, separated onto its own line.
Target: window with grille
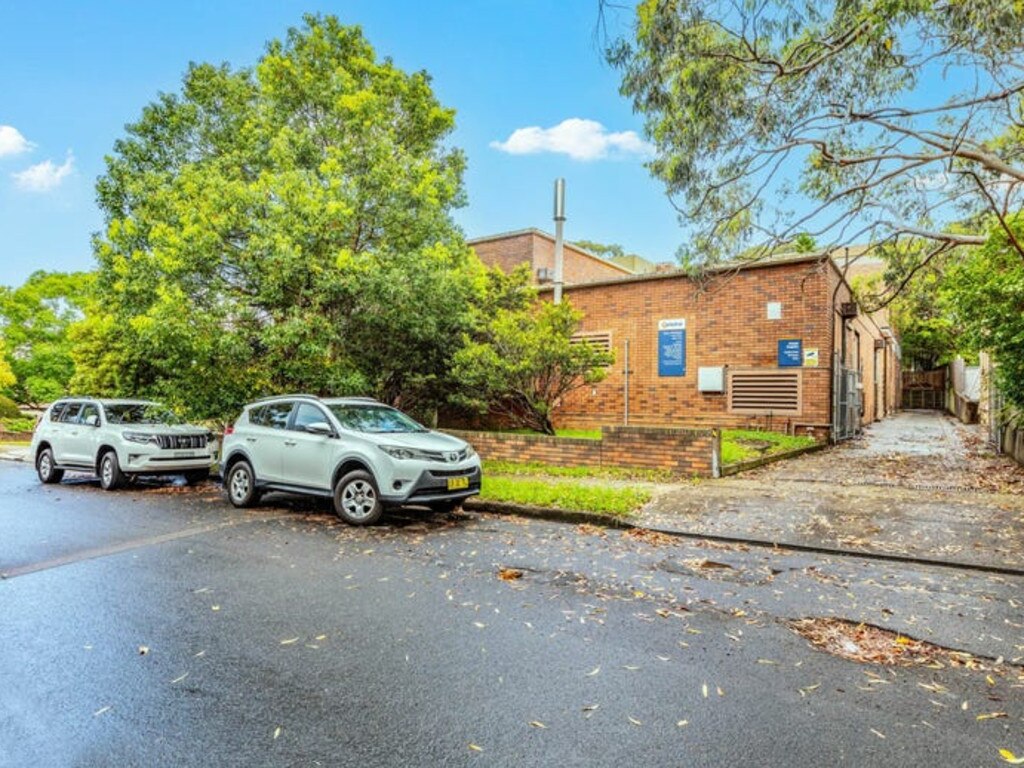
{"x": 765, "y": 391}
{"x": 601, "y": 340}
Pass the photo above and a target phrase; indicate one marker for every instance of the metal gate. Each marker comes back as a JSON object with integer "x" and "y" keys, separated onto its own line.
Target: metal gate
{"x": 846, "y": 401}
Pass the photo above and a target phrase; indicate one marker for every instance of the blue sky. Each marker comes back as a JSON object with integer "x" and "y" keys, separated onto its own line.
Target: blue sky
{"x": 74, "y": 73}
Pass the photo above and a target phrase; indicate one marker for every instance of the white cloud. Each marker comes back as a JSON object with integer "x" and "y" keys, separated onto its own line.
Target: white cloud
{"x": 44, "y": 176}
{"x": 12, "y": 142}
{"x": 578, "y": 138}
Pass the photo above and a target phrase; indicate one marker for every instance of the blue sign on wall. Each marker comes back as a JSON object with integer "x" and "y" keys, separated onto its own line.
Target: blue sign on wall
{"x": 791, "y": 353}
{"x": 672, "y": 347}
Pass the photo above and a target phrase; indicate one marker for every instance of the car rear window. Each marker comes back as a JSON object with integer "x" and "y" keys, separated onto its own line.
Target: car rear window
{"x": 274, "y": 415}
{"x": 70, "y": 413}
{"x": 57, "y": 410}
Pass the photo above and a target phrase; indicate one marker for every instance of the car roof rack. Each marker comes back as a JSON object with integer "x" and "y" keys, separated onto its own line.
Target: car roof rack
{"x": 287, "y": 395}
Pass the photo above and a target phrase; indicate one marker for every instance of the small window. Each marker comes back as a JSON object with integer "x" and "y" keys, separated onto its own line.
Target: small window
{"x": 57, "y": 411}
{"x": 275, "y": 415}
{"x": 307, "y": 414}
{"x": 70, "y": 413}
{"x": 256, "y": 415}
{"x": 89, "y": 409}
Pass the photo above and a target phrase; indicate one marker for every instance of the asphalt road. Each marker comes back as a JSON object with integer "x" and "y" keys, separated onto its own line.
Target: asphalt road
{"x": 158, "y": 626}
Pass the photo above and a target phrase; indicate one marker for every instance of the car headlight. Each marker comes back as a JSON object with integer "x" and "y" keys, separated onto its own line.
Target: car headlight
{"x": 140, "y": 437}
{"x": 470, "y": 453}
{"x": 400, "y": 452}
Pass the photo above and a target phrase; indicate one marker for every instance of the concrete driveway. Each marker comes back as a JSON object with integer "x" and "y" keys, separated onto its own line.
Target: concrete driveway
{"x": 918, "y": 485}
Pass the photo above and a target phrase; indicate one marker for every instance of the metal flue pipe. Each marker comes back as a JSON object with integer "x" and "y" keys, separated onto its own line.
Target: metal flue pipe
{"x": 559, "y": 222}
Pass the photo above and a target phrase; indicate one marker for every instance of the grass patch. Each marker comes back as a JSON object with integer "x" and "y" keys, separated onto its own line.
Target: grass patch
{"x": 18, "y": 423}
{"x": 745, "y": 444}
{"x": 535, "y": 468}
{"x": 574, "y": 497}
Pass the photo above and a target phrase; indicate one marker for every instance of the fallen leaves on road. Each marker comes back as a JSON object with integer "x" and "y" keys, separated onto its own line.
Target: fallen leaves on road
{"x": 509, "y": 574}
{"x": 1011, "y": 758}
{"x": 654, "y": 538}
{"x": 869, "y": 644}
{"x": 537, "y": 724}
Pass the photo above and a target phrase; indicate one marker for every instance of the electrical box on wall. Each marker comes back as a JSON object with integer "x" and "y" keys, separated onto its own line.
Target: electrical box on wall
{"x": 711, "y": 379}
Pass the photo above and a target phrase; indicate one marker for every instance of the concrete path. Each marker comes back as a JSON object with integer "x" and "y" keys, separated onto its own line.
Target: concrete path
{"x": 917, "y": 485}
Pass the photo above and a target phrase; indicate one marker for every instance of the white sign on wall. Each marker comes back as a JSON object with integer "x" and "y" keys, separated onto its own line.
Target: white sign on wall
{"x": 676, "y": 324}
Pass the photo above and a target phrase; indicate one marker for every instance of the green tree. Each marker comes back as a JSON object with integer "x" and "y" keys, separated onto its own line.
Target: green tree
{"x": 525, "y": 361}
{"x": 282, "y": 227}
{"x": 34, "y": 322}
{"x": 604, "y": 250}
{"x": 753, "y": 105}
{"x": 988, "y": 298}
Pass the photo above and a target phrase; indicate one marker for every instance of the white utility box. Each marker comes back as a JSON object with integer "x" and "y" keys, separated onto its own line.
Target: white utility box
{"x": 711, "y": 379}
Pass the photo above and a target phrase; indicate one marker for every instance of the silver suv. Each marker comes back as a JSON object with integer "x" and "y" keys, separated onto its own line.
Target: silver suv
{"x": 116, "y": 440}
{"x": 362, "y": 453}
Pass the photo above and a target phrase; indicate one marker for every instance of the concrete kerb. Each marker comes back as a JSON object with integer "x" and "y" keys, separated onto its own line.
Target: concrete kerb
{"x": 607, "y": 521}
{"x": 743, "y": 466}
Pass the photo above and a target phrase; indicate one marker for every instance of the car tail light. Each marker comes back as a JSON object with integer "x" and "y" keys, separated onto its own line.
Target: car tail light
{"x": 229, "y": 430}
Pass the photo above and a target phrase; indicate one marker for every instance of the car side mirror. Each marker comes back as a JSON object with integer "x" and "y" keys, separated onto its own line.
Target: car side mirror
{"x": 319, "y": 428}
{"x": 92, "y": 420}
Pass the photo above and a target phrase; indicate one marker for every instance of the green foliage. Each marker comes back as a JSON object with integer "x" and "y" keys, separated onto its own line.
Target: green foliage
{"x": 524, "y": 361}
{"x": 8, "y": 408}
{"x": 574, "y": 497}
{"x": 744, "y": 444}
{"x": 988, "y": 299}
{"x": 34, "y": 345}
{"x": 604, "y": 250}
{"x": 751, "y": 105}
{"x": 534, "y": 468}
{"x": 18, "y": 424}
{"x": 282, "y": 227}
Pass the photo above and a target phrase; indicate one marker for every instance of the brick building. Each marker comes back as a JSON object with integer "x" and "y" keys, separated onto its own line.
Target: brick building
{"x": 775, "y": 344}
{"x": 536, "y": 248}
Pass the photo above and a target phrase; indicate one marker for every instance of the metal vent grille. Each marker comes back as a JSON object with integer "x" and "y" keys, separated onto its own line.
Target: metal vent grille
{"x": 600, "y": 339}
{"x": 765, "y": 392}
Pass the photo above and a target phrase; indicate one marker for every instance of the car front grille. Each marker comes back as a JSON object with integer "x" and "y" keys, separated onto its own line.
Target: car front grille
{"x": 180, "y": 442}
{"x": 447, "y": 457}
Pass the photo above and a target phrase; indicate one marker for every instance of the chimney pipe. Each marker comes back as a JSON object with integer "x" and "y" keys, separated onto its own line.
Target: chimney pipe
{"x": 559, "y": 222}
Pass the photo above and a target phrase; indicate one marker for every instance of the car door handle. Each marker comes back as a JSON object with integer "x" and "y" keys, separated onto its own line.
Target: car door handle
{"x": 250, "y": 439}
{"x": 289, "y": 442}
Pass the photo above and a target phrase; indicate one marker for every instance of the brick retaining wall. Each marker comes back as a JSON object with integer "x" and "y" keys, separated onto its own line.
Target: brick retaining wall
{"x": 682, "y": 451}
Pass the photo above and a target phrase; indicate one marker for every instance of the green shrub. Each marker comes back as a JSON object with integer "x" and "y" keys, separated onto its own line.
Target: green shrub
{"x": 8, "y": 408}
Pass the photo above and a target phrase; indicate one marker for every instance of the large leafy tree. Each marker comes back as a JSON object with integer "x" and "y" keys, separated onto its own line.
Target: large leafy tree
{"x": 525, "y": 359}
{"x": 282, "y": 227}
{"x": 988, "y": 299}
{"x": 878, "y": 121}
{"x": 34, "y": 322}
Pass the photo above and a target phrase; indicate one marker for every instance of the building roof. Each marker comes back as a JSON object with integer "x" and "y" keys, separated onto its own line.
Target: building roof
{"x": 729, "y": 266}
{"x": 548, "y": 236}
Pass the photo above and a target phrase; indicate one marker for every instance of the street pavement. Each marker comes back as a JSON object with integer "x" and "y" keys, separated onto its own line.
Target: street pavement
{"x": 918, "y": 484}
{"x": 159, "y": 626}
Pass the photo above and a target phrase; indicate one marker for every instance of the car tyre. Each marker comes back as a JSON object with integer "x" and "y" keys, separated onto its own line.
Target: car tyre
{"x": 46, "y": 467}
{"x": 241, "y": 485}
{"x": 195, "y": 477}
{"x": 111, "y": 476}
{"x": 357, "y": 500}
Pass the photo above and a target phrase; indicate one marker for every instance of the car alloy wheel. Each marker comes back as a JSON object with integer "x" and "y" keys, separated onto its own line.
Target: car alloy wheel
{"x": 359, "y": 499}
{"x": 240, "y": 485}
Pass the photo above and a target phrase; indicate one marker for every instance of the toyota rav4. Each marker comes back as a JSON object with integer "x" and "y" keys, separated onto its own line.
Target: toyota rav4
{"x": 365, "y": 455}
{"x": 117, "y": 440}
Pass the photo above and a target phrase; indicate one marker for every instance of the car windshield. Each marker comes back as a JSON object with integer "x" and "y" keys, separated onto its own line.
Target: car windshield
{"x": 140, "y": 413}
{"x": 374, "y": 418}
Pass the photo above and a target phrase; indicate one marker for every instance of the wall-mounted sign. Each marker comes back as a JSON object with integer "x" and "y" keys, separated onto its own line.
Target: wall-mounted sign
{"x": 774, "y": 310}
{"x": 811, "y": 357}
{"x": 791, "y": 354}
{"x": 672, "y": 347}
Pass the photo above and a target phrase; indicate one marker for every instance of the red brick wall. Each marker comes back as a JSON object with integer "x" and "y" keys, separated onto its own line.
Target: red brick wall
{"x": 577, "y": 266}
{"x": 726, "y": 325}
{"x": 682, "y": 451}
{"x": 506, "y": 252}
{"x": 539, "y": 251}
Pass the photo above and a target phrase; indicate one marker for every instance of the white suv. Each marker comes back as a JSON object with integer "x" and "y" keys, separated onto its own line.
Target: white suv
{"x": 116, "y": 440}
{"x": 362, "y": 453}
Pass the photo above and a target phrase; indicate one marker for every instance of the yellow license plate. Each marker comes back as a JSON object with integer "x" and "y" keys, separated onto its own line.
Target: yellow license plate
{"x": 455, "y": 483}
